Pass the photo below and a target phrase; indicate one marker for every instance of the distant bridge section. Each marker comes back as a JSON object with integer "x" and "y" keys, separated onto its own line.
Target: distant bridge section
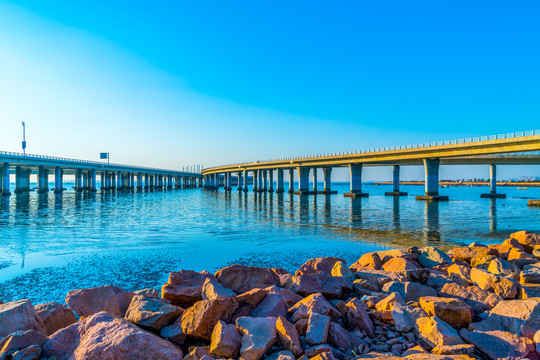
{"x": 113, "y": 176}
{"x": 521, "y": 148}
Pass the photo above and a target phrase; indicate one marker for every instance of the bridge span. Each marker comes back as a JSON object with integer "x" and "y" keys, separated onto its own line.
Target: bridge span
{"x": 505, "y": 149}
{"x": 113, "y": 176}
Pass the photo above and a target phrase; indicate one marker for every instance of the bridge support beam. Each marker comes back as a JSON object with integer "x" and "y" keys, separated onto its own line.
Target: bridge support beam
{"x": 245, "y": 178}
{"x": 93, "y": 180}
{"x": 78, "y": 180}
{"x": 279, "y": 183}
{"x": 228, "y": 180}
{"x": 264, "y": 181}
{"x": 119, "y": 184}
{"x": 139, "y": 181}
{"x": 22, "y": 180}
{"x": 327, "y": 173}
{"x": 356, "y": 182}
{"x": 43, "y": 180}
{"x": 5, "y": 180}
{"x": 314, "y": 175}
{"x": 493, "y": 185}
{"x": 291, "y": 181}
{"x": 395, "y": 190}
{"x": 169, "y": 181}
{"x": 255, "y": 180}
{"x": 240, "y": 177}
{"x": 112, "y": 184}
{"x": 431, "y": 168}
{"x": 271, "y": 180}
{"x": 58, "y": 180}
{"x": 303, "y": 181}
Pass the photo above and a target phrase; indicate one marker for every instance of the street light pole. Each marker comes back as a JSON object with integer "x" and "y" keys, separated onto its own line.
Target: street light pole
{"x": 24, "y": 138}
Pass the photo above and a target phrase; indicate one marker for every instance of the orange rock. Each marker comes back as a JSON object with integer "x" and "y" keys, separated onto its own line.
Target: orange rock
{"x": 436, "y": 332}
{"x": 288, "y": 336}
{"x": 518, "y": 254}
{"x": 240, "y": 278}
{"x": 320, "y": 264}
{"x": 225, "y": 340}
{"x": 369, "y": 260}
{"x": 452, "y": 311}
{"x": 184, "y": 287}
{"x": 483, "y": 278}
{"x": 398, "y": 265}
{"x": 506, "y": 288}
{"x": 460, "y": 271}
{"x": 527, "y": 239}
{"x": 467, "y": 253}
{"x": 388, "y": 302}
{"x": 200, "y": 319}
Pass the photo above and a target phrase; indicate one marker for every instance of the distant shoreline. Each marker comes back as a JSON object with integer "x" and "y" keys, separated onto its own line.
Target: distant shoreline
{"x": 468, "y": 183}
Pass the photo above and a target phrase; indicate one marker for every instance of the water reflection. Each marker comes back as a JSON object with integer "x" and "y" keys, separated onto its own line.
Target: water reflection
{"x": 493, "y": 215}
{"x": 356, "y": 212}
{"x": 432, "y": 225}
{"x": 395, "y": 208}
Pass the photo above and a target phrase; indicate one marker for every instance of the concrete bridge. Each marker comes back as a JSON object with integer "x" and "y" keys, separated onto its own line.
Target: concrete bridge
{"x": 505, "y": 149}
{"x": 113, "y": 176}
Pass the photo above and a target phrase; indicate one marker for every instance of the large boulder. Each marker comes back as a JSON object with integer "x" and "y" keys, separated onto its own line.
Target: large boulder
{"x": 387, "y": 304}
{"x": 340, "y": 338}
{"x": 468, "y": 253}
{"x": 20, "y": 340}
{"x": 460, "y": 272}
{"x": 331, "y": 287}
{"x": 241, "y": 278}
{"x": 431, "y": 256}
{"x": 480, "y": 300}
{"x": 199, "y": 320}
{"x": 506, "y": 288}
{"x": 314, "y": 303}
{"x": 369, "y": 260}
{"x": 273, "y": 305}
{"x": 436, "y": 332}
{"x": 184, "y": 287}
{"x": 107, "y": 337}
{"x": 410, "y": 291}
{"x": 213, "y": 290}
{"x": 405, "y": 316}
{"x": 513, "y": 314}
{"x": 497, "y": 344}
{"x": 340, "y": 269}
{"x": 151, "y": 313}
{"x": 19, "y": 316}
{"x": 398, "y": 264}
{"x": 504, "y": 268}
{"x": 225, "y": 340}
{"x": 55, "y": 316}
{"x": 320, "y": 264}
{"x": 248, "y": 301}
{"x": 287, "y": 295}
{"x": 288, "y": 336}
{"x": 452, "y": 311}
{"x": 483, "y": 278}
{"x": 174, "y": 333}
{"x": 317, "y": 330}
{"x": 530, "y": 276}
{"x": 526, "y": 239}
{"x": 258, "y": 336}
{"x": 90, "y": 301}
{"x": 356, "y": 316}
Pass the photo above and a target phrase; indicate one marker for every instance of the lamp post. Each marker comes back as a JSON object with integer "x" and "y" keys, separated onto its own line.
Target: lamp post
{"x": 24, "y": 138}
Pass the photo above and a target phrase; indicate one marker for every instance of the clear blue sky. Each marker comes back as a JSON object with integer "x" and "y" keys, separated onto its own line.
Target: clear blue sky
{"x": 175, "y": 83}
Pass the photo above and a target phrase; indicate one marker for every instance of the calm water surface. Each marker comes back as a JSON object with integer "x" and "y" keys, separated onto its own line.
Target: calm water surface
{"x": 50, "y": 244}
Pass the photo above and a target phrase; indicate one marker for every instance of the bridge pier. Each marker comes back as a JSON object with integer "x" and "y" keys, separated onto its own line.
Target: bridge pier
{"x": 240, "y": 177}
{"x": 85, "y": 185}
{"x": 279, "y": 183}
{"x": 493, "y": 185}
{"x": 227, "y": 180}
{"x": 431, "y": 168}
{"x": 356, "y": 182}
{"x": 303, "y": 181}
{"x": 93, "y": 180}
{"x": 314, "y": 177}
{"x": 58, "y": 181}
{"x": 270, "y": 180}
{"x": 5, "y": 180}
{"x": 395, "y": 190}
{"x": 265, "y": 181}
{"x": 169, "y": 181}
{"x": 291, "y": 181}
{"x": 78, "y": 180}
{"x": 255, "y": 180}
{"x": 119, "y": 185}
{"x": 43, "y": 180}
{"x": 327, "y": 173}
{"x": 245, "y": 179}
{"x": 22, "y": 180}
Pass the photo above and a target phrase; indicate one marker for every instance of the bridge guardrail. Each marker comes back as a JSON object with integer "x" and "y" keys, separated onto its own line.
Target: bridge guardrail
{"x": 90, "y": 162}
{"x": 402, "y": 147}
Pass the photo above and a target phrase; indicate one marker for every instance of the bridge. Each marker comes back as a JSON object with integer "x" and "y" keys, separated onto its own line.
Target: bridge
{"x": 504, "y": 149}
{"x": 113, "y": 176}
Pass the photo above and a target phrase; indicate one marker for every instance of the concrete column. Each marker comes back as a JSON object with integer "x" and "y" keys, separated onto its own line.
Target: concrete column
{"x": 139, "y": 181}
{"x": 58, "y": 181}
{"x": 270, "y": 180}
{"x": 113, "y": 180}
{"x": 85, "y": 184}
{"x": 78, "y": 180}
{"x": 102, "y": 179}
{"x": 355, "y": 182}
{"x": 279, "y": 183}
{"x": 228, "y": 181}
{"x": 43, "y": 180}
{"x": 5, "y": 180}
{"x": 245, "y": 176}
{"x": 107, "y": 180}
{"x": 215, "y": 181}
{"x": 395, "y": 183}
{"x": 493, "y": 184}
{"x": 291, "y": 181}
{"x": 93, "y": 180}
{"x": 240, "y": 178}
{"x": 431, "y": 168}
{"x": 255, "y": 180}
{"x": 314, "y": 179}
{"x": 327, "y": 173}
{"x": 119, "y": 184}
{"x": 131, "y": 180}
{"x": 169, "y": 181}
{"x": 265, "y": 180}
{"x": 22, "y": 179}
{"x": 303, "y": 180}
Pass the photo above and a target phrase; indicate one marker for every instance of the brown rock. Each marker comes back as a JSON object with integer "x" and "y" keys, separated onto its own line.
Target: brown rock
{"x": 340, "y": 338}
{"x": 19, "y": 316}
{"x": 328, "y": 355}
{"x": 225, "y": 340}
{"x": 241, "y": 278}
{"x": 409, "y": 291}
{"x": 436, "y": 332}
{"x": 151, "y": 313}
{"x": 529, "y": 291}
{"x": 20, "y": 340}
{"x": 273, "y": 305}
{"x": 496, "y": 344}
{"x": 405, "y": 316}
{"x": 288, "y": 336}
{"x": 330, "y": 286}
{"x": 504, "y": 268}
{"x": 480, "y": 300}
{"x": 377, "y": 277}
{"x": 431, "y": 256}
{"x": 506, "y": 288}
{"x": 530, "y": 276}
{"x": 287, "y": 295}
{"x": 340, "y": 269}
{"x": 483, "y": 278}
{"x": 388, "y": 302}
{"x": 301, "y": 326}
{"x": 174, "y": 333}
{"x": 87, "y": 302}
{"x": 184, "y": 287}
{"x": 248, "y": 301}
{"x": 513, "y": 314}
{"x": 313, "y": 351}
{"x": 460, "y": 271}
{"x": 369, "y": 260}
{"x": 356, "y": 316}
{"x": 199, "y": 320}
{"x": 464, "y": 349}
{"x": 526, "y": 239}
{"x": 153, "y": 293}
{"x": 107, "y": 337}
{"x": 516, "y": 254}
{"x": 211, "y": 290}
{"x": 32, "y": 352}
{"x": 258, "y": 336}
{"x": 317, "y": 330}
{"x": 55, "y": 316}
{"x": 322, "y": 264}
{"x": 314, "y": 303}
{"x": 467, "y": 253}
{"x": 198, "y": 353}
{"x": 398, "y": 265}
{"x": 452, "y": 311}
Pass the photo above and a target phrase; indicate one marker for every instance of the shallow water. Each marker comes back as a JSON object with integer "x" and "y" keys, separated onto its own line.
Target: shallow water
{"x": 51, "y": 243}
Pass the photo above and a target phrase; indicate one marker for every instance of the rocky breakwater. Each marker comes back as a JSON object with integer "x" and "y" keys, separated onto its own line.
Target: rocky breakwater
{"x": 472, "y": 302}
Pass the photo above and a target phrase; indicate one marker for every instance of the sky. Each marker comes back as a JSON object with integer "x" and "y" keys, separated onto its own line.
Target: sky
{"x": 176, "y": 83}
